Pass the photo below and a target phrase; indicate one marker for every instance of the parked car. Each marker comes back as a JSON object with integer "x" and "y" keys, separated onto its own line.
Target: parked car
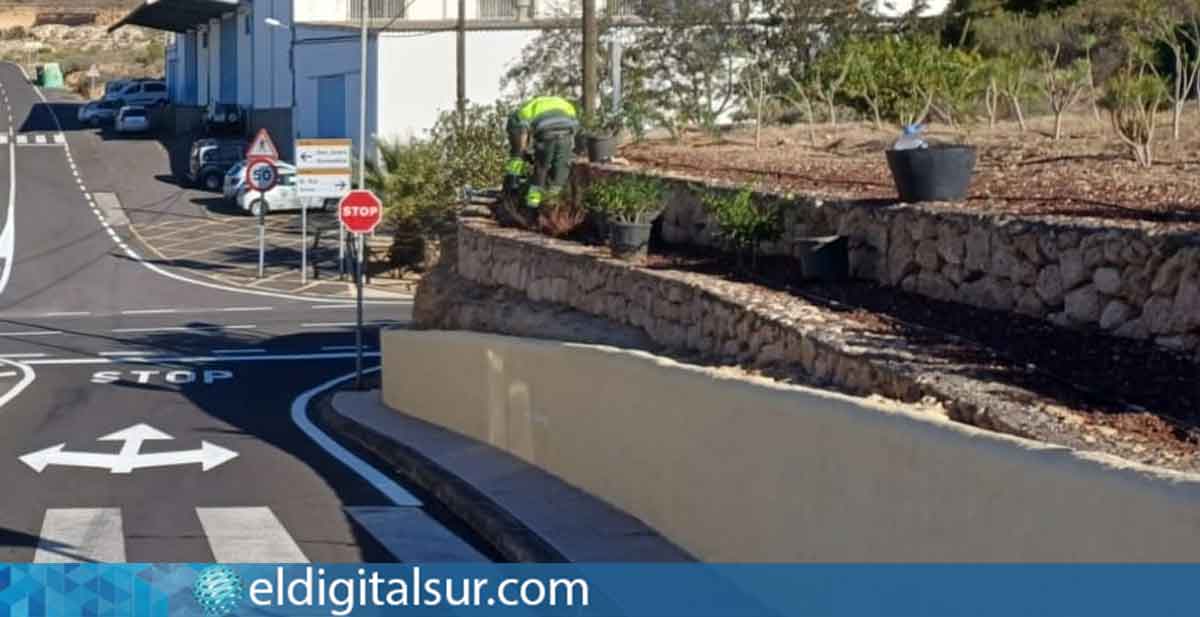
{"x": 283, "y": 197}
{"x": 144, "y": 93}
{"x": 211, "y": 158}
{"x": 112, "y": 89}
{"x": 100, "y": 112}
{"x": 235, "y": 178}
{"x": 223, "y": 119}
{"x": 132, "y": 119}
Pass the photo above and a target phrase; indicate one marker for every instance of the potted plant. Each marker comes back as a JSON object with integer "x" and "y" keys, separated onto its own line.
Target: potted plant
{"x": 629, "y": 204}
{"x": 924, "y": 73}
{"x": 601, "y": 132}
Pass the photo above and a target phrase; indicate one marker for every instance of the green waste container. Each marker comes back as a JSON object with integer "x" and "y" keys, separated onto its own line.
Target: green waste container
{"x": 50, "y": 76}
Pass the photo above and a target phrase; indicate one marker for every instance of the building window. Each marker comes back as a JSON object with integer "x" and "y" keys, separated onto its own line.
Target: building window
{"x": 497, "y": 9}
{"x": 378, "y": 9}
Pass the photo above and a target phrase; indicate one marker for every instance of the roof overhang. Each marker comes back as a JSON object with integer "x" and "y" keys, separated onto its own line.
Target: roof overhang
{"x": 175, "y": 15}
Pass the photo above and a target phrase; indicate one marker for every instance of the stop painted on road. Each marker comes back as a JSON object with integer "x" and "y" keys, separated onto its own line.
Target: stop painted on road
{"x": 174, "y": 377}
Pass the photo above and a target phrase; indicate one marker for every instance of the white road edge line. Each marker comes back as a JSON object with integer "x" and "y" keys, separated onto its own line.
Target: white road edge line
{"x": 68, "y": 314}
{"x": 8, "y": 236}
{"x": 27, "y": 377}
{"x": 193, "y": 359}
{"x": 394, "y": 492}
{"x": 22, "y": 355}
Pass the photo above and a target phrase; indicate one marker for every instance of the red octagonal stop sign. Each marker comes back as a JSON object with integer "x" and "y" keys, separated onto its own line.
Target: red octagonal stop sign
{"x": 360, "y": 211}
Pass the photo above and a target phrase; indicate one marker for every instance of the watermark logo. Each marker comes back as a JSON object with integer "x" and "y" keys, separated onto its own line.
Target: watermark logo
{"x": 218, "y": 590}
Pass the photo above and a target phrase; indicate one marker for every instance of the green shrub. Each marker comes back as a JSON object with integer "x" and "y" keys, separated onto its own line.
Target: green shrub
{"x": 744, "y": 223}
{"x": 1133, "y": 102}
{"x": 473, "y": 149}
{"x": 412, "y": 182}
{"x": 625, "y": 198}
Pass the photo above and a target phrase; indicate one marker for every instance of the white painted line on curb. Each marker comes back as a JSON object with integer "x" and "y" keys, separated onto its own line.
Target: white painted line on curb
{"x": 372, "y": 476}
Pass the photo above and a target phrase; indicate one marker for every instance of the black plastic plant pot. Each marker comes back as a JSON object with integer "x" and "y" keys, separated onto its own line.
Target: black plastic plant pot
{"x": 936, "y": 173}
{"x": 629, "y": 241}
{"x": 825, "y": 259}
{"x": 581, "y": 147}
{"x": 601, "y": 148}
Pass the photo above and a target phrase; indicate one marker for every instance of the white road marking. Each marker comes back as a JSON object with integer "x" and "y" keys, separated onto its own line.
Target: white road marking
{"x": 130, "y": 458}
{"x": 248, "y": 535}
{"x": 3, "y": 140}
{"x": 39, "y": 140}
{"x": 44, "y": 361}
{"x": 8, "y": 236}
{"x": 27, "y": 377}
{"x": 349, "y": 324}
{"x": 32, "y": 333}
{"x": 247, "y": 309}
{"x": 76, "y": 535}
{"x": 231, "y": 352}
{"x": 122, "y": 354}
{"x": 9, "y": 374}
{"x": 22, "y": 355}
{"x": 150, "y": 312}
{"x": 322, "y": 307}
{"x": 68, "y": 314}
{"x": 394, "y": 492}
{"x": 59, "y": 138}
{"x": 22, "y": 139}
{"x": 183, "y": 329}
{"x": 411, "y": 535}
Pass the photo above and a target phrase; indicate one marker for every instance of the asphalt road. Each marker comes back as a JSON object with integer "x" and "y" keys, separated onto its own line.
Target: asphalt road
{"x": 146, "y": 417}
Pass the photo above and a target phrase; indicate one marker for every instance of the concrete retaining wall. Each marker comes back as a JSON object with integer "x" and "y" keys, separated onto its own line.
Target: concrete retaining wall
{"x": 735, "y": 470}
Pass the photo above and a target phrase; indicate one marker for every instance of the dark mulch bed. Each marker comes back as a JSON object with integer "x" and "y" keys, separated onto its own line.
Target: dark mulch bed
{"x": 1143, "y": 391}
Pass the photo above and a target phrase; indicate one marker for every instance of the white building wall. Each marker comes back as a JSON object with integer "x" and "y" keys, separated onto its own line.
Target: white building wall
{"x": 414, "y": 93}
{"x": 324, "y": 10}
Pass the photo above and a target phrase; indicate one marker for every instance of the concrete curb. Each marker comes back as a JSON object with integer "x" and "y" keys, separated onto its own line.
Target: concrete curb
{"x": 511, "y": 538}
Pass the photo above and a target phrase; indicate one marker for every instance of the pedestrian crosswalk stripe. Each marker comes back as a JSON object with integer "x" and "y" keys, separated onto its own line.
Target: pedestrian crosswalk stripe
{"x": 411, "y": 535}
{"x": 59, "y": 138}
{"x": 3, "y": 140}
{"x": 22, "y": 139}
{"x": 73, "y": 535}
{"x": 39, "y": 140}
{"x": 248, "y": 535}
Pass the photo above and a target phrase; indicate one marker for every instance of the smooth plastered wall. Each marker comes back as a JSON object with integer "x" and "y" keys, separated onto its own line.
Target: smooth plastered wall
{"x": 733, "y": 469}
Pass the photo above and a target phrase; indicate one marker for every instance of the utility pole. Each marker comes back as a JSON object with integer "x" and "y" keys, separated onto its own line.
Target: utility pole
{"x": 462, "y": 60}
{"x": 591, "y": 43}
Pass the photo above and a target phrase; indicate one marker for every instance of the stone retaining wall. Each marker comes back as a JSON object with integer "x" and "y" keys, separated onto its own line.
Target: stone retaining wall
{"x": 1133, "y": 280}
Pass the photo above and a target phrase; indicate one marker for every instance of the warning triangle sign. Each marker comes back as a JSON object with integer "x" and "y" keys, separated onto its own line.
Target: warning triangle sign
{"x": 262, "y": 147}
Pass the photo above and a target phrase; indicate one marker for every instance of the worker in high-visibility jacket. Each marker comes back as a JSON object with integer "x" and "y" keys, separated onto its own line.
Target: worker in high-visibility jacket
{"x": 549, "y": 124}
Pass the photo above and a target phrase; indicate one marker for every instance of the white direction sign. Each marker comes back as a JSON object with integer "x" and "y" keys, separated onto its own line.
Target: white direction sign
{"x": 323, "y": 167}
{"x": 130, "y": 458}
{"x": 328, "y": 154}
{"x": 93, "y": 73}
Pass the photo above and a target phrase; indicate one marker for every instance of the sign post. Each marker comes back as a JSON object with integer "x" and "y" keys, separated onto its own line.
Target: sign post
{"x": 261, "y": 176}
{"x": 360, "y": 212}
{"x": 93, "y": 74}
{"x": 322, "y": 171}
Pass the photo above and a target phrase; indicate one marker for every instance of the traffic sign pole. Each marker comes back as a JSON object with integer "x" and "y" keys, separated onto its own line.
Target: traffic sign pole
{"x": 303, "y": 242}
{"x": 262, "y": 235}
{"x": 360, "y": 212}
{"x": 358, "y": 336}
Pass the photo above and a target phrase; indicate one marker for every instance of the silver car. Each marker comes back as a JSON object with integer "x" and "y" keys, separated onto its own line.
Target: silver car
{"x": 132, "y": 119}
{"x": 96, "y": 113}
{"x": 235, "y": 178}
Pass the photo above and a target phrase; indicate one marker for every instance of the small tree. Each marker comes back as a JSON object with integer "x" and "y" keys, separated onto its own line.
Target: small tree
{"x": 1177, "y": 27}
{"x": 1133, "y": 100}
{"x": 863, "y": 77}
{"x": 1061, "y": 85}
{"x": 744, "y": 223}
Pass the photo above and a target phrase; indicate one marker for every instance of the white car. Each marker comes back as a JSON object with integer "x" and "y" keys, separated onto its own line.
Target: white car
{"x": 132, "y": 119}
{"x": 282, "y": 197}
{"x": 235, "y": 178}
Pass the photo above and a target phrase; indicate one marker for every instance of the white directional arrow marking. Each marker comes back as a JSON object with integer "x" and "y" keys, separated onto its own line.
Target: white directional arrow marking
{"x": 130, "y": 457}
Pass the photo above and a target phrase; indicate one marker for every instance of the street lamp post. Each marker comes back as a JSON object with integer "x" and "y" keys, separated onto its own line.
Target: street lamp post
{"x": 275, "y": 23}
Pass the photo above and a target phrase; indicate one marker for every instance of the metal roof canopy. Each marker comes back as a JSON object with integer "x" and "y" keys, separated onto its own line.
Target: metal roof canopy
{"x": 175, "y": 15}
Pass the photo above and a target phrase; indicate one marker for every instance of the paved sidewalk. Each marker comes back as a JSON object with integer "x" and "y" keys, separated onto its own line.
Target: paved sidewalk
{"x": 527, "y": 514}
{"x": 224, "y": 247}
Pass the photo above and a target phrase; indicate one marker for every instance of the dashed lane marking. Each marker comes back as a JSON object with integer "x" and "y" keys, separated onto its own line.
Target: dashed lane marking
{"x": 71, "y": 535}
{"x": 6, "y": 374}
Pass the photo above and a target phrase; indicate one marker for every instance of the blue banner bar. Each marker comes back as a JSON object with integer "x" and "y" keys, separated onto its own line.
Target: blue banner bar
{"x": 205, "y": 590}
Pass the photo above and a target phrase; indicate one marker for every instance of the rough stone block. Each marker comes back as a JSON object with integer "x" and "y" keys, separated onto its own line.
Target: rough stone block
{"x": 1115, "y": 314}
{"x": 1084, "y": 304}
{"x": 1107, "y": 280}
{"x": 1072, "y": 269}
{"x": 1050, "y": 285}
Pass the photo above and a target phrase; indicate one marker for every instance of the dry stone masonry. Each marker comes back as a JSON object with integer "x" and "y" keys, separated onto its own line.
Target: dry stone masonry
{"x": 1133, "y": 280}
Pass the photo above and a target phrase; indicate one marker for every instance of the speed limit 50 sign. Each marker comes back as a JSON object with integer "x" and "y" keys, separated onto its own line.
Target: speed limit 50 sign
{"x": 360, "y": 211}
{"x": 261, "y": 174}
